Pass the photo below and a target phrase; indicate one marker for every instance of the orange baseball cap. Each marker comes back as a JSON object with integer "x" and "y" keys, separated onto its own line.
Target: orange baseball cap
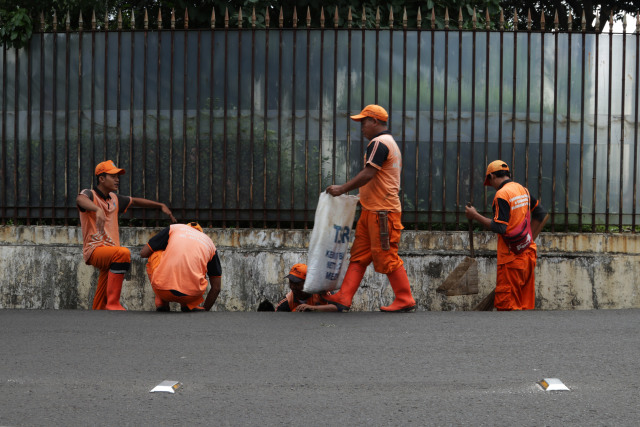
{"x": 108, "y": 167}
{"x": 373, "y": 111}
{"x": 298, "y": 273}
{"x": 195, "y": 225}
{"x": 495, "y": 166}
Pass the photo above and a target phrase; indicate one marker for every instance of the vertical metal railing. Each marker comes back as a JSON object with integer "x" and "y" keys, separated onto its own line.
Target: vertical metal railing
{"x": 218, "y": 151}
{"x": 568, "y": 185}
{"x": 487, "y": 71}
{"x": 582, "y": 128}
{"x": 416, "y": 195}
{"x": 41, "y": 117}
{"x": 431, "y": 117}
{"x": 595, "y": 134}
{"x": 4, "y": 134}
{"x": 622, "y": 130}
{"x": 635, "y": 128}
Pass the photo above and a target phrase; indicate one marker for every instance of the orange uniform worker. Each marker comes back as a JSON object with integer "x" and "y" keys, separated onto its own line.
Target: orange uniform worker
{"x": 297, "y": 300}
{"x": 514, "y": 210}
{"x": 379, "y": 227}
{"x": 181, "y": 257}
{"x": 99, "y": 209}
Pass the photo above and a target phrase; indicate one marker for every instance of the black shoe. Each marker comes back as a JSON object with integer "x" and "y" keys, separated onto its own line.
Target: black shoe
{"x": 340, "y": 306}
{"x": 163, "y": 308}
{"x": 186, "y": 309}
{"x": 266, "y": 305}
{"x": 402, "y": 310}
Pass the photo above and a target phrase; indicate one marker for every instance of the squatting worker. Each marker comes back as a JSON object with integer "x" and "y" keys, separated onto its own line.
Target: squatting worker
{"x": 379, "y": 227}
{"x": 99, "y": 209}
{"x": 297, "y": 299}
{"x": 181, "y": 257}
{"x": 515, "y": 213}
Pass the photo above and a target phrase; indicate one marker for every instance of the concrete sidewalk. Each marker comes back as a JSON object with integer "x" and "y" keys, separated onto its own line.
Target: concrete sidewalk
{"x": 63, "y": 367}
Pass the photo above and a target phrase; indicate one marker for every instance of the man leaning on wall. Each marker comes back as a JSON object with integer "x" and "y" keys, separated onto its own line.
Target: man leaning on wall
{"x": 99, "y": 209}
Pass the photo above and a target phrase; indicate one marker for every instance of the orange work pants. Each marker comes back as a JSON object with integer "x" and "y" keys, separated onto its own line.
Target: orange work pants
{"x": 515, "y": 283}
{"x": 366, "y": 245}
{"x": 163, "y": 296}
{"x": 102, "y": 258}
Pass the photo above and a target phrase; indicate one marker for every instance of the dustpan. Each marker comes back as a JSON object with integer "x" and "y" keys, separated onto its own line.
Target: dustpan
{"x": 487, "y": 302}
{"x": 463, "y": 280}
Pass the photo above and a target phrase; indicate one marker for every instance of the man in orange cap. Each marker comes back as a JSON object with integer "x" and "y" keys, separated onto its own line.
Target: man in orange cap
{"x": 181, "y": 257}
{"x": 379, "y": 226}
{"x": 297, "y": 299}
{"x": 515, "y": 213}
{"x": 99, "y": 209}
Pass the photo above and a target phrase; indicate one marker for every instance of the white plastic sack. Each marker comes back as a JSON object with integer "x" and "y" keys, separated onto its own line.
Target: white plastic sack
{"x": 329, "y": 241}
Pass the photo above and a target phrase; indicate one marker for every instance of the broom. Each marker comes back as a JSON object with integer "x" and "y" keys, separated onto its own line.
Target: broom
{"x": 463, "y": 280}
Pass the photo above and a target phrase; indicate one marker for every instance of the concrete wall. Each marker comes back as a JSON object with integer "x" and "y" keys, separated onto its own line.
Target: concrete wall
{"x": 41, "y": 267}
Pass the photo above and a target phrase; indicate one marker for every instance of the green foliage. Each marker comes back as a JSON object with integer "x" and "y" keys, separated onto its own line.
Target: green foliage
{"x": 17, "y": 18}
{"x": 566, "y": 8}
{"x": 16, "y": 27}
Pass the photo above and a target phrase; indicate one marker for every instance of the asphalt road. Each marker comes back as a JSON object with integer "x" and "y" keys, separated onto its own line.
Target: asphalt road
{"x": 254, "y": 369}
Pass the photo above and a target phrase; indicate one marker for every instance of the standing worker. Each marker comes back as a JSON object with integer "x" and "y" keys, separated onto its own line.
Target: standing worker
{"x": 181, "y": 257}
{"x": 99, "y": 209}
{"x": 515, "y": 214}
{"x": 379, "y": 227}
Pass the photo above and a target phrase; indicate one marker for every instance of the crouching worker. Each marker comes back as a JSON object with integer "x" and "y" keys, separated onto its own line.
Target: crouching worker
{"x": 99, "y": 209}
{"x": 181, "y": 257}
{"x": 297, "y": 299}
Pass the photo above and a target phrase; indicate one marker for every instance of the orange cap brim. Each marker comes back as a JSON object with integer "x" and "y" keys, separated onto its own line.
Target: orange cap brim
{"x": 113, "y": 172}
{"x": 294, "y": 279}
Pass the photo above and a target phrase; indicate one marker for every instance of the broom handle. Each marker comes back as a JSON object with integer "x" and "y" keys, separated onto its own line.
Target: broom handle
{"x": 473, "y": 252}
{"x": 536, "y": 227}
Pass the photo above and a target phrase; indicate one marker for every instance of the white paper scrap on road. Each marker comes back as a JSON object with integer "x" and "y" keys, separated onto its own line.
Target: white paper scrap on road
{"x": 552, "y": 384}
{"x": 329, "y": 241}
{"x": 166, "y": 386}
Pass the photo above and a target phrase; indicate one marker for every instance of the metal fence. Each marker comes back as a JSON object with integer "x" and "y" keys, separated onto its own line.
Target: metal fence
{"x": 245, "y": 127}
